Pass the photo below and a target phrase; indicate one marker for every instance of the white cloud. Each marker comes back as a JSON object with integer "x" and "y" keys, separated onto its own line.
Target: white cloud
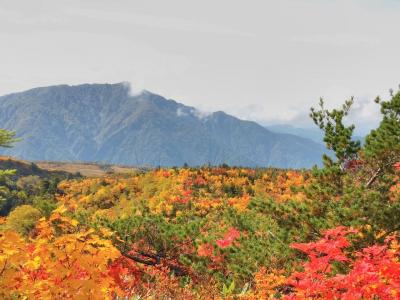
{"x": 184, "y": 112}
{"x": 365, "y": 115}
{"x": 200, "y": 114}
{"x": 134, "y": 90}
{"x": 181, "y": 113}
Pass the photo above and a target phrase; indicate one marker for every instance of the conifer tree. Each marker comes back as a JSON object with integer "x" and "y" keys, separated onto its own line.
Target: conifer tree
{"x": 6, "y": 140}
{"x": 382, "y": 145}
{"x": 338, "y": 137}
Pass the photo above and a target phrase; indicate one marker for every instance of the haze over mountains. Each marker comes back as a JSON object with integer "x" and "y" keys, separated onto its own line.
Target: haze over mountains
{"x": 105, "y": 123}
{"x": 314, "y": 134}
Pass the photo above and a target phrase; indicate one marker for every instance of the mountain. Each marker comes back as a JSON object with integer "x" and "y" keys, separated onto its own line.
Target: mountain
{"x": 104, "y": 122}
{"x": 25, "y": 168}
{"x": 316, "y": 135}
{"x": 313, "y": 134}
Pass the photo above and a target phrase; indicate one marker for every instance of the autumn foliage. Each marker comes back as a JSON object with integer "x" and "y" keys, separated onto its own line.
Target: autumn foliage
{"x": 214, "y": 232}
{"x": 371, "y": 272}
{"x": 190, "y": 233}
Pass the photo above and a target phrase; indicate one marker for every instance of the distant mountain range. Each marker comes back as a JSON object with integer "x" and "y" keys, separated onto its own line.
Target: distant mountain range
{"x": 105, "y": 123}
{"x": 316, "y": 135}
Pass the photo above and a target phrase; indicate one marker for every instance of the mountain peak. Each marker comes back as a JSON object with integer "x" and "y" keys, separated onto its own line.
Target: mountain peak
{"x": 106, "y": 123}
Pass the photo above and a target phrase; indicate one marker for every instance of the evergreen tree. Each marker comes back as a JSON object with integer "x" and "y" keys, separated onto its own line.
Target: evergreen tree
{"x": 7, "y": 138}
{"x": 338, "y": 137}
{"x": 356, "y": 188}
{"x": 382, "y": 145}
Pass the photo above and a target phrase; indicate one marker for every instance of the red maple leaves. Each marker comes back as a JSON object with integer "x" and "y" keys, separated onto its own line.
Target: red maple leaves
{"x": 229, "y": 237}
{"x": 374, "y": 272}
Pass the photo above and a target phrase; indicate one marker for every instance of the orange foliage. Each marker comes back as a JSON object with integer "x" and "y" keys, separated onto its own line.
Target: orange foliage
{"x": 283, "y": 188}
{"x": 71, "y": 265}
{"x": 266, "y": 284}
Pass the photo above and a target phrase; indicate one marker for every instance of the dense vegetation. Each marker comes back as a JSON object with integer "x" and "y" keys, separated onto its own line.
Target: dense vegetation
{"x": 219, "y": 232}
{"x": 25, "y": 183}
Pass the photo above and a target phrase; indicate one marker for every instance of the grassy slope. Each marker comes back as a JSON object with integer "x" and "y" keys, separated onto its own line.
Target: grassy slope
{"x": 86, "y": 169}
{"x": 47, "y": 169}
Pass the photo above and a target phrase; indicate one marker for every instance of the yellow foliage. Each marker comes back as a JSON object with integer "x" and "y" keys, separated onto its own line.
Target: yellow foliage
{"x": 266, "y": 284}
{"x": 69, "y": 266}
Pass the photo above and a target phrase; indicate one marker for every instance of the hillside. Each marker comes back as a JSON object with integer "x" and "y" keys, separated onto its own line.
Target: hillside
{"x": 313, "y": 134}
{"x": 47, "y": 169}
{"x": 104, "y": 123}
{"x": 85, "y": 169}
{"x": 26, "y": 168}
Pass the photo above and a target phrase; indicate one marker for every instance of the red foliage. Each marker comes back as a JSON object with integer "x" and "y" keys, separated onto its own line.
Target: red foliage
{"x": 205, "y": 250}
{"x": 126, "y": 275}
{"x": 374, "y": 272}
{"x": 228, "y": 238}
{"x": 185, "y": 198}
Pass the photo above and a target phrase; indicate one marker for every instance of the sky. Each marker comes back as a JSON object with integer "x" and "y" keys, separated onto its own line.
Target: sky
{"x": 266, "y": 61}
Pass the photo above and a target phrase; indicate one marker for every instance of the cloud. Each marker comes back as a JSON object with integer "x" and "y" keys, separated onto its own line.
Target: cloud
{"x": 181, "y": 113}
{"x": 365, "y": 109}
{"x": 200, "y": 114}
{"x": 134, "y": 90}
{"x": 365, "y": 115}
{"x": 266, "y": 115}
{"x": 185, "y": 111}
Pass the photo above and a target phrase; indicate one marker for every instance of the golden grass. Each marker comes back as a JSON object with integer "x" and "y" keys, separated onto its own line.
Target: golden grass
{"x": 86, "y": 169}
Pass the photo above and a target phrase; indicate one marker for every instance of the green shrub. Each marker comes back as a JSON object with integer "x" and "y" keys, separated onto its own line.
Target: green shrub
{"x": 23, "y": 219}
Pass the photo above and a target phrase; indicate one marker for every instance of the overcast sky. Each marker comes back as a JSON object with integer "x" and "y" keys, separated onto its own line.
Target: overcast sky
{"x": 267, "y": 61}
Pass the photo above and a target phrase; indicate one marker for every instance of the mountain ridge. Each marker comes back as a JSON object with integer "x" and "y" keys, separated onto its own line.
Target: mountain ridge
{"x": 104, "y": 122}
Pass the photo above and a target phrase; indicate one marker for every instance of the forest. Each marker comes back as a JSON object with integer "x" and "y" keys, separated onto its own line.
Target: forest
{"x": 213, "y": 232}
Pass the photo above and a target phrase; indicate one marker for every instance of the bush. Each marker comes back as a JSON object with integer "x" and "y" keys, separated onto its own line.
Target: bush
{"x": 23, "y": 219}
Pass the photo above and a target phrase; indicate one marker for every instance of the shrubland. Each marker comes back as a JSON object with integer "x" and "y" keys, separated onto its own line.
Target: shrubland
{"x": 215, "y": 232}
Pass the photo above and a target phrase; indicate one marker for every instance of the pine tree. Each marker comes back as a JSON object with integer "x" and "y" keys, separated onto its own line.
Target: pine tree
{"x": 7, "y": 138}
{"x": 382, "y": 145}
{"x": 338, "y": 137}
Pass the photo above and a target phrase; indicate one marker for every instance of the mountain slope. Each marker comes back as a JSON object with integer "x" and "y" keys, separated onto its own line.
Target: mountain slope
{"x": 314, "y": 134}
{"x": 25, "y": 168}
{"x": 103, "y": 122}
